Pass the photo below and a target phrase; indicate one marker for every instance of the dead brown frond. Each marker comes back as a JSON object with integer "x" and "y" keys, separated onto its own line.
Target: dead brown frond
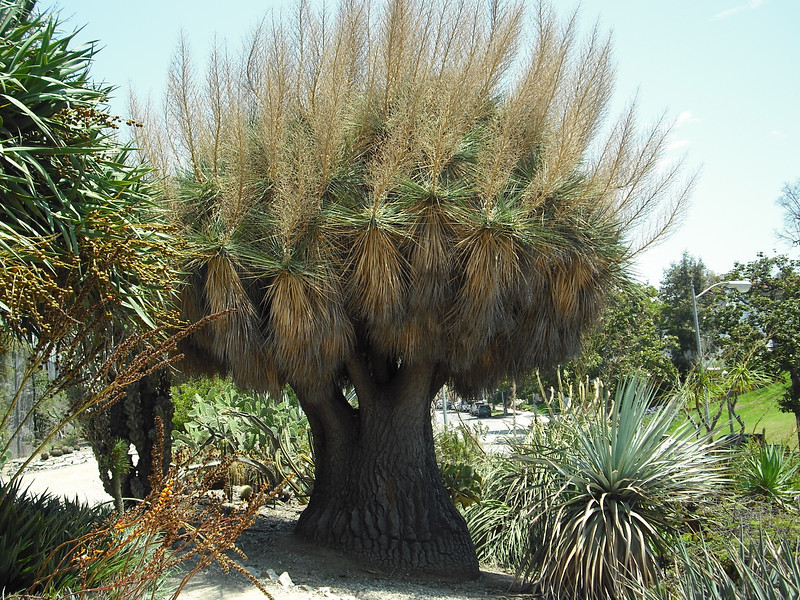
{"x": 306, "y": 314}
{"x": 420, "y": 181}
{"x": 490, "y": 265}
{"x": 237, "y": 334}
{"x": 379, "y": 285}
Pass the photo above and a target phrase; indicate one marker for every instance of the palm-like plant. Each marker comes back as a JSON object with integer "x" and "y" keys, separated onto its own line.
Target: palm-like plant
{"x": 73, "y": 211}
{"x": 85, "y": 261}
{"x": 616, "y": 493}
{"x": 741, "y": 376}
{"x": 387, "y": 205}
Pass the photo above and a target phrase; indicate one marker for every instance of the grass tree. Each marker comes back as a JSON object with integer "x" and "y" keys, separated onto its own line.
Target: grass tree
{"x": 393, "y": 197}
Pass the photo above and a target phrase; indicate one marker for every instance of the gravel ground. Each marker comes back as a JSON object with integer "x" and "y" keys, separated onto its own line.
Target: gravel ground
{"x": 273, "y": 553}
{"x": 288, "y": 568}
{"x": 70, "y": 476}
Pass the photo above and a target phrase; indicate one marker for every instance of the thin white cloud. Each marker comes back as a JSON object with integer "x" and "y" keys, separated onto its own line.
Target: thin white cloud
{"x": 684, "y": 118}
{"x": 778, "y": 134}
{"x": 752, "y": 5}
{"x": 677, "y": 145}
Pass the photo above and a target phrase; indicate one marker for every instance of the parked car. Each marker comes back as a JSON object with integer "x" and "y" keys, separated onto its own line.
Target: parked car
{"x": 462, "y": 406}
{"x": 483, "y": 410}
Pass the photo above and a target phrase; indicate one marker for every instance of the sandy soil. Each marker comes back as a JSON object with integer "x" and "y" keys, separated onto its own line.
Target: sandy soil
{"x": 272, "y": 550}
{"x": 71, "y": 476}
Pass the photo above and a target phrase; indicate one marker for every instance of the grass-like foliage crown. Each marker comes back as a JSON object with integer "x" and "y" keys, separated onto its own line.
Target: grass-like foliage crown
{"x": 414, "y": 182}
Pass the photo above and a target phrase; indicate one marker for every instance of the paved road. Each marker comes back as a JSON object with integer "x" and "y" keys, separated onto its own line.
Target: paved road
{"x": 498, "y": 428}
{"x": 81, "y": 480}
{"x": 78, "y": 478}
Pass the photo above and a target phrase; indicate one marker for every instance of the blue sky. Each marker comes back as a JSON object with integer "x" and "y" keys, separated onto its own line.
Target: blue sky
{"x": 726, "y": 71}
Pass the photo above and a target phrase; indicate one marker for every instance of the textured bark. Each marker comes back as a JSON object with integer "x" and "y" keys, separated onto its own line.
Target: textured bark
{"x": 378, "y": 495}
{"x": 797, "y": 425}
{"x": 133, "y": 419}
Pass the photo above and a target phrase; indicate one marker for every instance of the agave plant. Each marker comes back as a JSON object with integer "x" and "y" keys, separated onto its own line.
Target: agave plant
{"x": 34, "y": 530}
{"x": 768, "y": 472}
{"x": 615, "y": 493}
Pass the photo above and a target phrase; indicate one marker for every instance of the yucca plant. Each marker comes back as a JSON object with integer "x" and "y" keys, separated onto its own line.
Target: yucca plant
{"x": 760, "y": 571}
{"x": 768, "y": 471}
{"x": 34, "y": 531}
{"x": 388, "y": 205}
{"x": 500, "y": 524}
{"x": 616, "y": 493}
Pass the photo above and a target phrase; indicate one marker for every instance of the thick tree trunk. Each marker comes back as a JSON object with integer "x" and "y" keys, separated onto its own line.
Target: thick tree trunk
{"x": 133, "y": 420}
{"x": 797, "y": 425}
{"x": 378, "y": 495}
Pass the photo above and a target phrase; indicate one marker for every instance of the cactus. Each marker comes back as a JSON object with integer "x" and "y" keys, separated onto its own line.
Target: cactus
{"x": 133, "y": 420}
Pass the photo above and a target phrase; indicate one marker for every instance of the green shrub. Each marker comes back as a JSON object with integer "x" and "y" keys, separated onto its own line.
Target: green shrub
{"x": 184, "y": 397}
{"x": 459, "y": 454}
{"x": 501, "y": 524}
{"x": 463, "y": 483}
{"x": 271, "y": 438}
{"x": 34, "y": 531}
{"x": 768, "y": 471}
{"x": 759, "y": 571}
{"x": 460, "y": 444}
{"x": 591, "y": 501}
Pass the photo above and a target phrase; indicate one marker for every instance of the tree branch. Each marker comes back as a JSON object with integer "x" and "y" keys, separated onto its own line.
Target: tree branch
{"x": 358, "y": 372}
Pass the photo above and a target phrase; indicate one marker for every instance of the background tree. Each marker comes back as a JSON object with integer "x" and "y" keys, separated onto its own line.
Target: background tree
{"x": 790, "y": 202}
{"x": 386, "y": 204}
{"x": 627, "y": 340}
{"x": 741, "y": 375}
{"x": 677, "y": 317}
{"x": 768, "y": 313}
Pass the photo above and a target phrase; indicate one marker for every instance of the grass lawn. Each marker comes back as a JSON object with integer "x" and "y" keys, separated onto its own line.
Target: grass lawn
{"x": 759, "y": 410}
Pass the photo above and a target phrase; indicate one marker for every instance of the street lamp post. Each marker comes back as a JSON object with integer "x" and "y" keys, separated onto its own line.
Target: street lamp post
{"x": 739, "y": 285}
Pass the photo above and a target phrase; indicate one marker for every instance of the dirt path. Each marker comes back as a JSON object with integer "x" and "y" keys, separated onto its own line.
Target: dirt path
{"x": 272, "y": 550}
{"x": 70, "y": 476}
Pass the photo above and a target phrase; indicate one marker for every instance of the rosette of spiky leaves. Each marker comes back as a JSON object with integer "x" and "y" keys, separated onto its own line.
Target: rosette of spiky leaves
{"x": 622, "y": 484}
{"x": 77, "y": 227}
{"x": 762, "y": 570}
{"x": 768, "y": 471}
{"x": 35, "y": 531}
